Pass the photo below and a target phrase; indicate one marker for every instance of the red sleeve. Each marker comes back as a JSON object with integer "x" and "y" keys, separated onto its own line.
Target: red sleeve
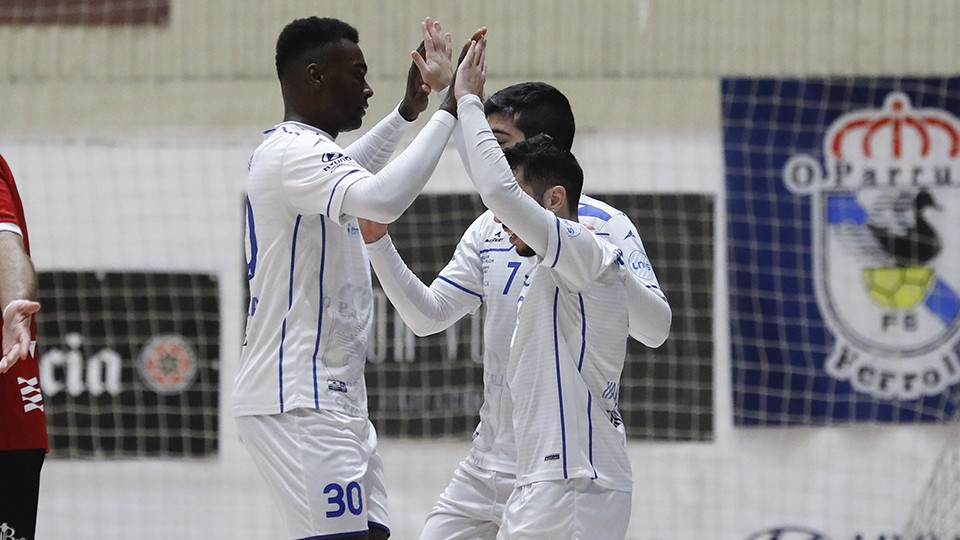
{"x": 11, "y": 209}
{"x": 8, "y": 213}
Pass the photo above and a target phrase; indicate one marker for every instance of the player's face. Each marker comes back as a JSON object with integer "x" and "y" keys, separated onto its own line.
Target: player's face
{"x": 505, "y": 130}
{"x": 345, "y": 84}
{"x": 522, "y": 248}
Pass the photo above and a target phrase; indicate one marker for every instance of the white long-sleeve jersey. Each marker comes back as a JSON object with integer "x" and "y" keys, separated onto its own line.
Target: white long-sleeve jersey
{"x": 310, "y": 290}
{"x": 569, "y": 346}
{"x": 485, "y": 268}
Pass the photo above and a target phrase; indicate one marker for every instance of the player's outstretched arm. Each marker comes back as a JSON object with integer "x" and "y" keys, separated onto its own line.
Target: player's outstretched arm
{"x": 484, "y": 160}
{"x": 384, "y": 196}
{"x": 18, "y": 290}
{"x": 431, "y": 68}
{"x": 426, "y": 310}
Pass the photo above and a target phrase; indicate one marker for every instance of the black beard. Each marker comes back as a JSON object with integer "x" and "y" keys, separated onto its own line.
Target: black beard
{"x": 525, "y": 251}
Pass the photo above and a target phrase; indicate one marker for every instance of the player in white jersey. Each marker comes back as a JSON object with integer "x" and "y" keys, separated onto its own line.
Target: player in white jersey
{"x": 300, "y": 395}
{"x": 569, "y": 345}
{"x": 485, "y": 268}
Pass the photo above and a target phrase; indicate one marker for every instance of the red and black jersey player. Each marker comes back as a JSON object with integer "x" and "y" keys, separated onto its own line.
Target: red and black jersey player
{"x": 23, "y": 425}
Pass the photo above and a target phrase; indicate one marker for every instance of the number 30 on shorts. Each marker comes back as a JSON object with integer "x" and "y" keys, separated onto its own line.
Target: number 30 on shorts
{"x": 342, "y": 499}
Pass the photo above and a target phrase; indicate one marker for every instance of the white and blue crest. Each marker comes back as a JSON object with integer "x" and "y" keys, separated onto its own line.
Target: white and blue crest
{"x": 886, "y": 257}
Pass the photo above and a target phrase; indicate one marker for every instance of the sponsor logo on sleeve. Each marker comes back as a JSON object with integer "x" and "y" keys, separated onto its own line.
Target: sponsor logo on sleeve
{"x": 639, "y": 264}
{"x": 573, "y": 229}
{"x": 332, "y": 160}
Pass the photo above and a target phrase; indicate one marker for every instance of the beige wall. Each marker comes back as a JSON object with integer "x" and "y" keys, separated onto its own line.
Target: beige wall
{"x": 626, "y": 64}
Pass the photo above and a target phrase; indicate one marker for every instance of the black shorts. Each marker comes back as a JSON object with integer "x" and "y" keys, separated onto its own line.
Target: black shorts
{"x": 19, "y": 492}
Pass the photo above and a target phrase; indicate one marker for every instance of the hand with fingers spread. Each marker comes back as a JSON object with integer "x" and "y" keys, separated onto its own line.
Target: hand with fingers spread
{"x": 450, "y": 101}
{"x": 472, "y": 72}
{"x": 431, "y": 69}
{"x": 435, "y": 64}
{"x": 16, "y": 332}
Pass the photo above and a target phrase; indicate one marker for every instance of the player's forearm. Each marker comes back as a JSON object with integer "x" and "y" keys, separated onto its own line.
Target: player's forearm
{"x": 18, "y": 280}
{"x": 374, "y": 148}
{"x": 424, "y": 309}
{"x": 649, "y": 313}
{"x": 384, "y": 196}
{"x": 462, "y": 150}
{"x": 494, "y": 181}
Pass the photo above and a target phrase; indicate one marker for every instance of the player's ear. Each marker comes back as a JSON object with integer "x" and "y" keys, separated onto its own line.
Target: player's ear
{"x": 555, "y": 199}
{"x": 314, "y": 74}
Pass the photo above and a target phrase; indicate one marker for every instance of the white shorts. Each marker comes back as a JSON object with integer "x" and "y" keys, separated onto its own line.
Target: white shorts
{"x": 471, "y": 508}
{"x": 323, "y": 469}
{"x": 571, "y": 509}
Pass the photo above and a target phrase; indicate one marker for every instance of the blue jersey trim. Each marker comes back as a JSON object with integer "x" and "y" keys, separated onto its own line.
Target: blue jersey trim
{"x": 283, "y": 329}
{"x": 556, "y": 355}
{"x": 583, "y": 333}
{"x": 557, "y": 258}
{"x": 252, "y": 231}
{"x": 336, "y": 535}
{"x": 586, "y": 210}
{"x": 590, "y": 432}
{"x": 335, "y": 186}
{"x": 461, "y": 287}
{"x": 482, "y": 251}
{"x": 316, "y": 346}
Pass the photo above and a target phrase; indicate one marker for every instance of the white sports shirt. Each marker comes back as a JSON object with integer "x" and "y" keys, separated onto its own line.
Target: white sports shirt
{"x": 569, "y": 345}
{"x": 310, "y": 292}
{"x": 485, "y": 268}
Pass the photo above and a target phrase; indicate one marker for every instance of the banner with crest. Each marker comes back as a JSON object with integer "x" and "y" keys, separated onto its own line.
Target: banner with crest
{"x": 843, "y": 229}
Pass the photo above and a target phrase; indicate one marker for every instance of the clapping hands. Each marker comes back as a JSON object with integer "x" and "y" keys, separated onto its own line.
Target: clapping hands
{"x": 472, "y": 71}
{"x": 431, "y": 69}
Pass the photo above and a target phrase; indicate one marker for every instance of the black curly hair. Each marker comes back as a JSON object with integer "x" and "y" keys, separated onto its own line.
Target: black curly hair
{"x": 303, "y": 39}
{"x": 544, "y": 164}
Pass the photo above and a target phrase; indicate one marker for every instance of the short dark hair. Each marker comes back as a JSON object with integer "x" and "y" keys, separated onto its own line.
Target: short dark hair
{"x": 544, "y": 165}
{"x": 536, "y": 107}
{"x": 303, "y": 38}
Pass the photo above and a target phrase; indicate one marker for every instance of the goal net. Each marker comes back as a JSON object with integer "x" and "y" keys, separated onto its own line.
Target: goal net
{"x": 801, "y": 221}
{"x": 433, "y": 386}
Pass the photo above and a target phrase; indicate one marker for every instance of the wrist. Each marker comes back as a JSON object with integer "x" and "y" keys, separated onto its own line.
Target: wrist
{"x": 407, "y": 111}
{"x": 449, "y": 105}
{"x": 379, "y": 243}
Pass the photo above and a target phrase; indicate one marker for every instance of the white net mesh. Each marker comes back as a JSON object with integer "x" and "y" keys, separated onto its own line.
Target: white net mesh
{"x": 937, "y": 512}
{"x": 128, "y": 125}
